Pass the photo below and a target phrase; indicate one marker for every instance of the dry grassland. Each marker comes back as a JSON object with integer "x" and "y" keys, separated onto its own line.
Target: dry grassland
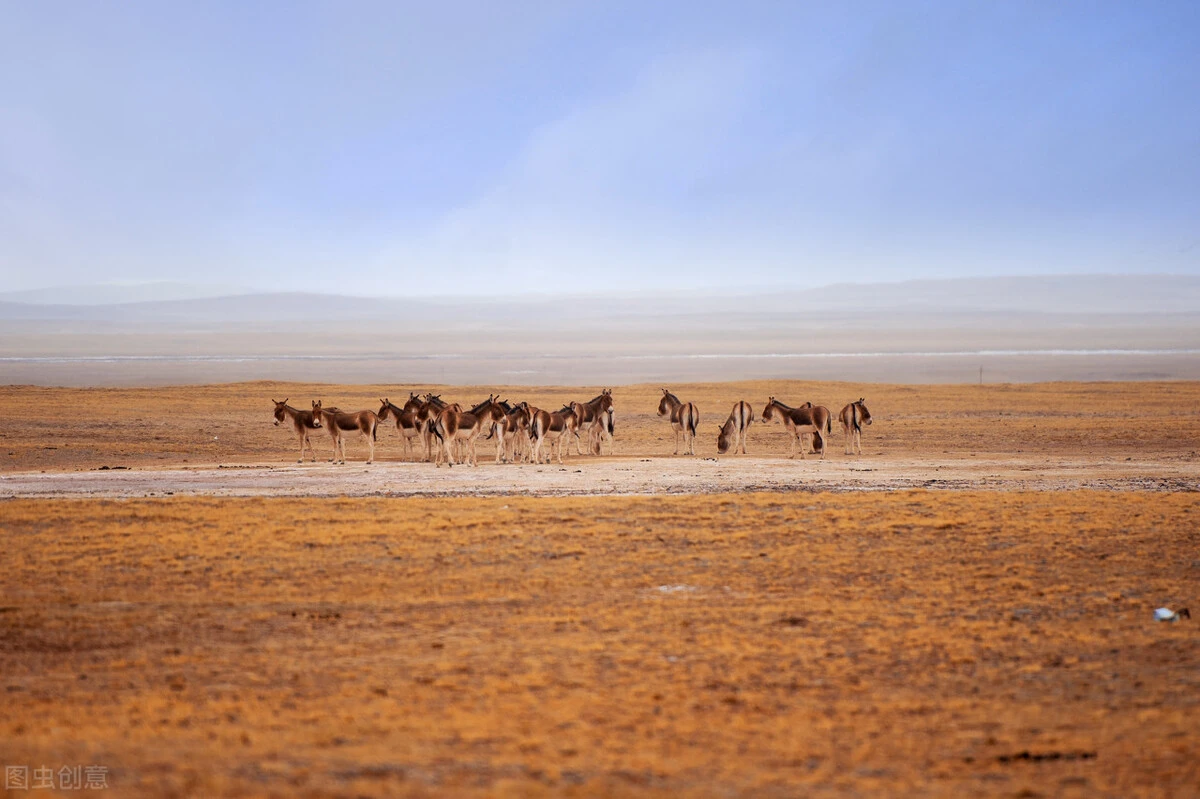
{"x": 902, "y": 643}
{"x": 69, "y": 429}
{"x": 994, "y": 643}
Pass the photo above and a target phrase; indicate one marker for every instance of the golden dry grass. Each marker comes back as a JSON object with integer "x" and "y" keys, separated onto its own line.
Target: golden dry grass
{"x": 906, "y": 643}
{"x": 58, "y": 428}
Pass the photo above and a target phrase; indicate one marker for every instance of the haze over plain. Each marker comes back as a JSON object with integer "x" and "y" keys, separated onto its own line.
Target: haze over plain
{"x": 532, "y": 193}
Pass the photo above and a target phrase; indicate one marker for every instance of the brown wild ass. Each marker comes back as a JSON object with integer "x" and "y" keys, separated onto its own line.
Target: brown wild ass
{"x": 596, "y": 432}
{"x": 427, "y": 412}
{"x": 685, "y": 418}
{"x": 554, "y": 426}
{"x": 733, "y": 432}
{"x": 407, "y": 421}
{"x": 302, "y": 423}
{"x": 600, "y": 408}
{"x": 853, "y": 417}
{"x": 338, "y": 423}
{"x": 453, "y": 424}
{"x": 512, "y": 435}
{"x": 802, "y": 421}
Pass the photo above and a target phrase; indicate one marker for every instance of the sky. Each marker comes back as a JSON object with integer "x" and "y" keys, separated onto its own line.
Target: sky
{"x": 396, "y": 148}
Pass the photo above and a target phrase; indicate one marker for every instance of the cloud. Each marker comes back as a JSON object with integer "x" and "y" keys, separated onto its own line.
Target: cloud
{"x": 606, "y": 186}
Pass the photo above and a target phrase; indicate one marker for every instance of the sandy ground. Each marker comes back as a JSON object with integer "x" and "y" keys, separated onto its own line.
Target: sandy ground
{"x": 612, "y": 475}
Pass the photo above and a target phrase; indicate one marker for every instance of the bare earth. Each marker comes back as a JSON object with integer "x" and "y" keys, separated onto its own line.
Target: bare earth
{"x": 612, "y": 475}
{"x": 187, "y": 607}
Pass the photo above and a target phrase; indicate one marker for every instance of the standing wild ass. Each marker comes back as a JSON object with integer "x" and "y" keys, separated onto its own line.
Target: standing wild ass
{"x": 302, "y": 422}
{"x": 552, "y": 426}
{"x": 599, "y": 408}
{"x": 685, "y": 418}
{"x": 801, "y": 421}
{"x": 427, "y": 412}
{"x": 512, "y": 434}
{"x": 408, "y": 422}
{"x": 733, "y": 432}
{"x": 853, "y": 417}
{"x": 338, "y": 423}
{"x": 453, "y": 424}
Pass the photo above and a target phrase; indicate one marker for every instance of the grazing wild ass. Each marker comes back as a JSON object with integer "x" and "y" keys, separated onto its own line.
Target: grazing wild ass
{"x": 302, "y": 423}
{"x": 685, "y": 418}
{"x": 733, "y": 432}
{"x": 599, "y": 408}
{"x": 853, "y": 417}
{"x": 552, "y": 426}
{"x": 407, "y": 421}
{"x": 802, "y": 421}
{"x": 338, "y": 423}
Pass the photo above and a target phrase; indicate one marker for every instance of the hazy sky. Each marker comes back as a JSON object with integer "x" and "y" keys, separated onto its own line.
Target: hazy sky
{"x": 492, "y": 147}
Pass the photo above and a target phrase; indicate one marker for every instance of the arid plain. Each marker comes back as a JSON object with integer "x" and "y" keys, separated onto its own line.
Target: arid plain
{"x": 965, "y": 609}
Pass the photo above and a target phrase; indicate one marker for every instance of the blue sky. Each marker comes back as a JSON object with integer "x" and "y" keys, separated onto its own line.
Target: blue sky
{"x": 491, "y": 148}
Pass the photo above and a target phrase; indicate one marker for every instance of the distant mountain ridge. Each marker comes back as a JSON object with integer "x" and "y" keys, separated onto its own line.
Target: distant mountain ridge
{"x": 119, "y": 293}
{"x": 1089, "y": 294}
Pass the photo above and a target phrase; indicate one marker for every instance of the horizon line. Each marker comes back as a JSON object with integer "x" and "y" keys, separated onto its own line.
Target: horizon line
{"x": 8, "y": 296}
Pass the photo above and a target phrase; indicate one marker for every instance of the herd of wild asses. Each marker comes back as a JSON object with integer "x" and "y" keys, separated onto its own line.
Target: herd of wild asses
{"x": 525, "y": 434}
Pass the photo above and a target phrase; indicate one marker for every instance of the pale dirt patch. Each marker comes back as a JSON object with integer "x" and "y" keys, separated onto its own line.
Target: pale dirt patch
{"x": 614, "y": 475}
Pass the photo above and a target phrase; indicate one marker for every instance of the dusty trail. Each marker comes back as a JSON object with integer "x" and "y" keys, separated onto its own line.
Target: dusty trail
{"x": 614, "y": 475}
